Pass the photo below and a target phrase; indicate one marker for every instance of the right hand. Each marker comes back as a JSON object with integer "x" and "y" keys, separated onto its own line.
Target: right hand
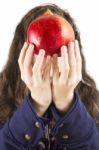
{"x": 36, "y": 77}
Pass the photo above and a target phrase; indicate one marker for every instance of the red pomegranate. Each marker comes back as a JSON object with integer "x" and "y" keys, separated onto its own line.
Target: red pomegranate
{"x": 49, "y": 32}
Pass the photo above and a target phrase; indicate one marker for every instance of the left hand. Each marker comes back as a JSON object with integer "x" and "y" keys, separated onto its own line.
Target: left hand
{"x": 66, "y": 75}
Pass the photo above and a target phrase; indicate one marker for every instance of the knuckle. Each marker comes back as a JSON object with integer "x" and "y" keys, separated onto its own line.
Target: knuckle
{"x": 39, "y": 68}
{"x": 34, "y": 69}
{"x": 63, "y": 83}
{"x": 54, "y": 82}
{"x": 72, "y": 83}
{"x": 30, "y": 83}
{"x": 18, "y": 61}
{"x": 20, "y": 67}
{"x": 22, "y": 77}
{"x": 79, "y": 59}
{"x": 67, "y": 68}
{"x": 73, "y": 64}
{"x": 26, "y": 64}
{"x": 39, "y": 71}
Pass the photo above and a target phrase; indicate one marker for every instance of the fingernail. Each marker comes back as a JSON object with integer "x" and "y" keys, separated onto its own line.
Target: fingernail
{"x": 54, "y": 55}
{"x": 41, "y": 52}
{"x": 31, "y": 46}
{"x": 25, "y": 44}
{"x": 63, "y": 49}
{"x": 70, "y": 44}
{"x": 76, "y": 42}
{"x": 48, "y": 57}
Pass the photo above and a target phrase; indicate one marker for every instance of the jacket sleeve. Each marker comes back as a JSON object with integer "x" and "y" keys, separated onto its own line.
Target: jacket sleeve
{"x": 76, "y": 130}
{"x": 23, "y": 130}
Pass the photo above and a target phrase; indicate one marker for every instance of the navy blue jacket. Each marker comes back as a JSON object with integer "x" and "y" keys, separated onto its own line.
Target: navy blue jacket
{"x": 75, "y": 130}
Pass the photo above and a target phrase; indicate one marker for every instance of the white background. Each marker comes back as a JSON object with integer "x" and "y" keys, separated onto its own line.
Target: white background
{"x": 85, "y": 13}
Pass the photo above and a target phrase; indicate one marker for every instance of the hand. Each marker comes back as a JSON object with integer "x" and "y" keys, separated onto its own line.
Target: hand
{"x": 36, "y": 76}
{"x": 66, "y": 75}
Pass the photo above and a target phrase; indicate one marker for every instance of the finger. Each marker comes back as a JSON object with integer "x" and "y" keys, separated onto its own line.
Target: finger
{"x": 35, "y": 56}
{"x": 64, "y": 65}
{"x": 28, "y": 61}
{"x": 37, "y": 74}
{"x": 29, "y": 56}
{"x": 78, "y": 61}
{"x": 43, "y": 65}
{"x": 72, "y": 64}
{"x": 55, "y": 68}
{"x": 47, "y": 69}
{"x": 22, "y": 55}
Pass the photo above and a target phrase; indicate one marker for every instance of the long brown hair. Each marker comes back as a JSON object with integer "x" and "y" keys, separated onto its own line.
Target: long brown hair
{"x": 13, "y": 89}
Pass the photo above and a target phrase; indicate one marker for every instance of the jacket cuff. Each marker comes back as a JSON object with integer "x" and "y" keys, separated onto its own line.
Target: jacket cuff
{"x": 56, "y": 114}
{"x": 25, "y": 126}
{"x": 75, "y": 125}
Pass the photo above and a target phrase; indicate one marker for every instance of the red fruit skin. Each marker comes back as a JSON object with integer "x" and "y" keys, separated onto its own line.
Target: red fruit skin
{"x": 49, "y": 33}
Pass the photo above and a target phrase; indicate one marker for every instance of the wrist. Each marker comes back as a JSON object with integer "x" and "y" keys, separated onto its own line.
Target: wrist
{"x": 40, "y": 110}
{"x": 63, "y": 105}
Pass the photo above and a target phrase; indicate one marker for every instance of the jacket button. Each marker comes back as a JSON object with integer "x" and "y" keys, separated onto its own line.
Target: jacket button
{"x": 53, "y": 138}
{"x": 65, "y": 148}
{"x": 28, "y": 137}
{"x": 65, "y": 136}
{"x": 37, "y": 124}
{"x": 41, "y": 144}
{"x": 61, "y": 125}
